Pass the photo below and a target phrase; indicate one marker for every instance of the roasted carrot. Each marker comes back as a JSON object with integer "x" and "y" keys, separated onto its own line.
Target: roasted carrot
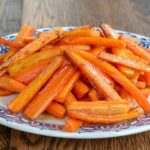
{"x": 33, "y": 47}
{"x": 97, "y": 51}
{"x": 82, "y": 33}
{"x": 9, "y": 54}
{"x": 94, "y": 74}
{"x": 146, "y": 92}
{"x": 5, "y": 92}
{"x": 135, "y": 48}
{"x": 80, "y": 89}
{"x": 29, "y": 73}
{"x": 99, "y": 107}
{"x": 68, "y": 87}
{"x": 104, "y": 119}
{"x": 93, "y": 94}
{"x": 49, "y": 92}
{"x": 69, "y": 98}
{"x": 10, "y": 84}
{"x": 141, "y": 84}
{"x": 120, "y": 78}
{"x": 56, "y": 109}
{"x": 125, "y": 61}
{"x": 18, "y": 103}
{"x": 94, "y": 41}
{"x": 146, "y": 77}
{"x": 32, "y": 59}
{"x": 25, "y": 31}
{"x": 1, "y": 57}
{"x": 108, "y": 31}
{"x": 72, "y": 125}
{"x": 9, "y": 44}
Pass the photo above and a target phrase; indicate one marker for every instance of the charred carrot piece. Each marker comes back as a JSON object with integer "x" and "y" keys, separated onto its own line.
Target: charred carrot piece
{"x": 69, "y": 98}
{"x": 124, "y": 61}
{"x": 49, "y": 92}
{"x": 25, "y": 31}
{"x": 18, "y": 103}
{"x": 136, "y": 49}
{"x": 106, "y": 42}
{"x": 15, "y": 68}
{"x": 120, "y": 78}
{"x": 5, "y": 92}
{"x": 141, "y": 84}
{"x": 56, "y": 109}
{"x": 104, "y": 119}
{"x": 33, "y": 47}
{"x": 100, "y": 107}
{"x": 80, "y": 89}
{"x": 28, "y": 74}
{"x": 72, "y": 125}
{"x": 68, "y": 87}
{"x": 93, "y": 94}
{"x": 93, "y": 74}
{"x": 9, "y": 44}
{"x": 10, "y": 84}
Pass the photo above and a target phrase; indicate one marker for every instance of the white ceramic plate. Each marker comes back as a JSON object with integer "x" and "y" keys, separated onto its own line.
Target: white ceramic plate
{"x": 50, "y": 126}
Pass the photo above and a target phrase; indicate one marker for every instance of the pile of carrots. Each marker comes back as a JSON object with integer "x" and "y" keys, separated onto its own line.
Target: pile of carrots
{"x": 92, "y": 75}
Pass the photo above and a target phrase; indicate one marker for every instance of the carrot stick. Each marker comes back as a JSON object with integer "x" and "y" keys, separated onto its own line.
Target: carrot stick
{"x": 93, "y": 74}
{"x": 10, "y": 84}
{"x": 108, "y": 31}
{"x": 80, "y": 89}
{"x": 5, "y": 92}
{"x": 69, "y": 98}
{"x": 49, "y": 92}
{"x": 82, "y": 33}
{"x": 120, "y": 78}
{"x": 99, "y": 107}
{"x": 146, "y": 77}
{"x": 146, "y": 92}
{"x": 17, "y": 104}
{"x": 9, "y": 54}
{"x": 25, "y": 31}
{"x": 104, "y": 119}
{"x": 124, "y": 61}
{"x": 15, "y": 68}
{"x": 32, "y": 47}
{"x": 72, "y": 125}
{"x": 141, "y": 84}
{"x": 68, "y": 87}
{"x": 93, "y": 94}
{"x": 135, "y": 48}
{"x": 97, "y": 51}
{"x": 56, "y": 110}
{"x": 93, "y": 41}
{"x": 9, "y": 44}
{"x": 27, "y": 74}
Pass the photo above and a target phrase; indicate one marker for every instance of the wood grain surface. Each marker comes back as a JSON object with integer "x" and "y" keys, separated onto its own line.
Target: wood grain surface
{"x": 129, "y": 15}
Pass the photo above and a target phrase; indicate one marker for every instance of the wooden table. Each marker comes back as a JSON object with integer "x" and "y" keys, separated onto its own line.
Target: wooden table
{"x": 129, "y": 15}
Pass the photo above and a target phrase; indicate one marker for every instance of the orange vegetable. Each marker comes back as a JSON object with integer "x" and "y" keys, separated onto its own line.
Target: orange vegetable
{"x": 93, "y": 41}
{"x": 69, "y": 98}
{"x": 15, "y": 68}
{"x": 72, "y": 125}
{"x": 18, "y": 103}
{"x": 146, "y": 78}
{"x": 5, "y": 92}
{"x": 146, "y": 92}
{"x": 93, "y": 74}
{"x": 99, "y": 107}
{"x": 9, "y": 54}
{"x": 49, "y": 92}
{"x": 56, "y": 110}
{"x": 82, "y": 33}
{"x": 9, "y": 43}
{"x": 104, "y": 119}
{"x": 141, "y": 84}
{"x": 124, "y": 61}
{"x": 80, "y": 89}
{"x": 67, "y": 88}
{"x": 32, "y": 47}
{"x": 97, "y": 51}
{"x": 120, "y": 78}
{"x": 27, "y": 74}
{"x": 25, "y": 31}
{"x": 93, "y": 94}
{"x": 10, "y": 84}
{"x": 135, "y": 48}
